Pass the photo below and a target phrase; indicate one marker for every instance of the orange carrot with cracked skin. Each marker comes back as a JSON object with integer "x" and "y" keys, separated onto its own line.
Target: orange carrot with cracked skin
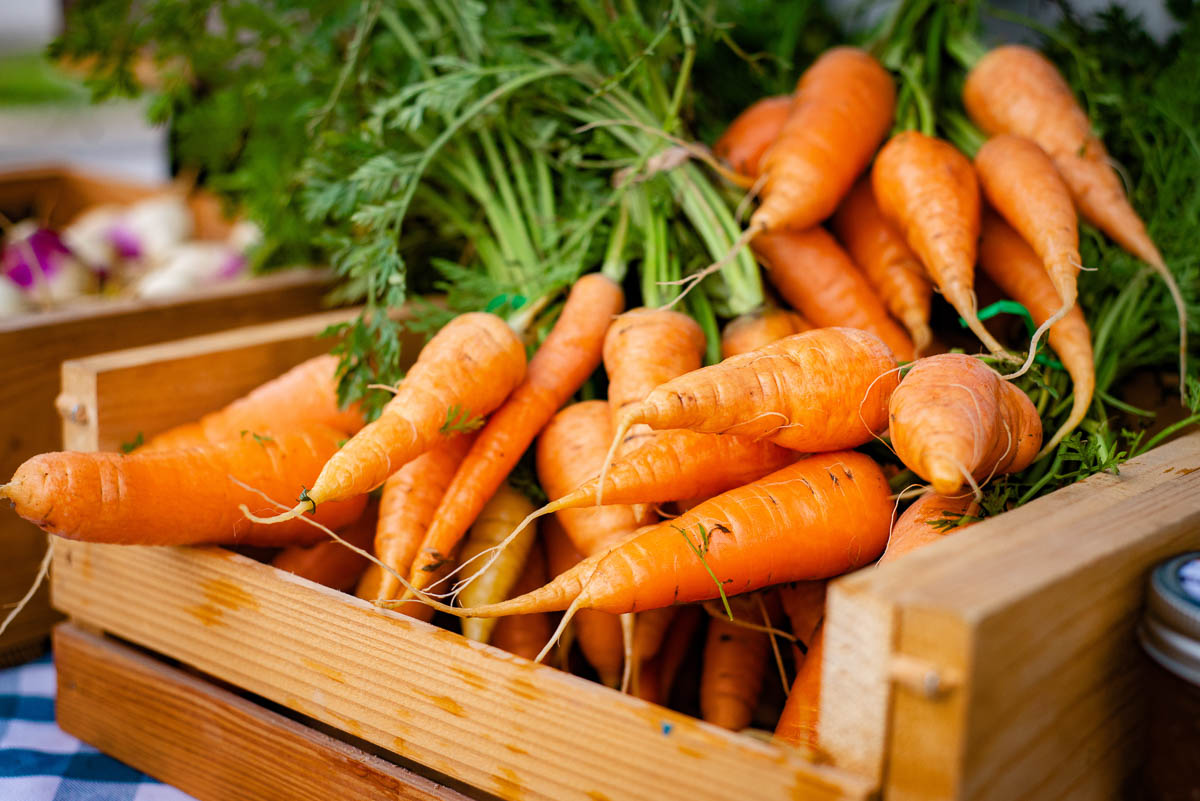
{"x": 820, "y": 517}
{"x": 1015, "y": 89}
{"x": 818, "y": 391}
{"x": 406, "y": 508}
{"x": 465, "y": 371}
{"x": 330, "y": 562}
{"x": 927, "y": 520}
{"x": 954, "y": 420}
{"x": 526, "y": 635}
{"x": 657, "y": 675}
{"x": 1020, "y": 182}
{"x": 304, "y": 396}
{"x": 752, "y": 133}
{"x": 799, "y": 722}
{"x": 841, "y": 111}
{"x": 929, "y": 191}
{"x": 598, "y": 633}
{"x": 1016, "y": 269}
{"x": 183, "y": 497}
{"x": 814, "y": 274}
{"x": 752, "y": 331}
{"x": 892, "y": 269}
{"x": 570, "y": 353}
{"x": 735, "y": 662}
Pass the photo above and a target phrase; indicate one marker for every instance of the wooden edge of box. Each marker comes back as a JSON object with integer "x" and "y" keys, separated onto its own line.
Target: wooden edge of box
{"x": 1034, "y": 611}
{"x": 205, "y": 740}
{"x": 466, "y": 710}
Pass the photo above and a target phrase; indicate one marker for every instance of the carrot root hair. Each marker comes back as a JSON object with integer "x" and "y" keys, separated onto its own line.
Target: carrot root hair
{"x": 575, "y": 606}
{"x": 692, "y": 281}
{"x": 43, "y": 571}
{"x": 493, "y": 553}
{"x": 1037, "y": 335}
{"x": 697, "y": 151}
{"x": 622, "y": 429}
{"x": 627, "y": 622}
{"x": 291, "y": 514}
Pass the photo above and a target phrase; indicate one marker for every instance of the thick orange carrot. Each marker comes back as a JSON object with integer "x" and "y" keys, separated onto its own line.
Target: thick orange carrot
{"x": 657, "y": 675}
{"x": 464, "y": 372}
{"x": 930, "y": 518}
{"x": 735, "y": 662}
{"x": 1020, "y": 182}
{"x": 814, "y": 274}
{"x": 406, "y": 508}
{"x": 953, "y": 420}
{"x": 929, "y": 191}
{"x": 800, "y": 720}
{"x": 570, "y": 353}
{"x": 817, "y": 391}
{"x": 526, "y": 635}
{"x": 330, "y": 562}
{"x": 752, "y": 331}
{"x": 1015, "y": 89}
{"x": 652, "y": 626}
{"x": 1011, "y": 263}
{"x": 182, "y": 497}
{"x": 599, "y": 633}
{"x": 804, "y": 604}
{"x": 504, "y": 510}
{"x": 893, "y": 270}
{"x": 841, "y": 111}
{"x": 751, "y": 133}
{"x": 303, "y": 396}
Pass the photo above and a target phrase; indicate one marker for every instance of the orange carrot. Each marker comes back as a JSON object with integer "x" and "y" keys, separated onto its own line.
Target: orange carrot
{"x": 735, "y": 662}
{"x": 954, "y": 419}
{"x": 463, "y": 373}
{"x": 893, "y": 270}
{"x": 930, "y": 518}
{"x": 599, "y": 633}
{"x": 406, "y": 508}
{"x": 1011, "y": 263}
{"x": 817, "y": 391}
{"x": 929, "y": 191}
{"x": 526, "y": 635}
{"x": 751, "y": 133}
{"x": 1020, "y": 182}
{"x": 804, "y": 604}
{"x": 815, "y": 275}
{"x": 330, "y": 562}
{"x": 652, "y": 627}
{"x": 303, "y": 396}
{"x": 657, "y": 675}
{"x": 568, "y": 356}
{"x": 1015, "y": 89}
{"x": 799, "y": 722}
{"x": 752, "y": 331}
{"x": 182, "y": 497}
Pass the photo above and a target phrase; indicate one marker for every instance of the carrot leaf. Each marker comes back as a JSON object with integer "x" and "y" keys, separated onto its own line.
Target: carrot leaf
{"x": 460, "y": 421}
{"x": 134, "y": 444}
{"x": 700, "y": 548}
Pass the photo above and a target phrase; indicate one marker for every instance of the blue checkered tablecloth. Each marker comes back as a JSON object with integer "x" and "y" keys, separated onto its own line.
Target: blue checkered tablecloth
{"x": 40, "y": 762}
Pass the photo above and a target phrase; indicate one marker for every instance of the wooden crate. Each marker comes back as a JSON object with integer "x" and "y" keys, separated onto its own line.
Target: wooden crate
{"x": 998, "y": 663}
{"x": 32, "y": 346}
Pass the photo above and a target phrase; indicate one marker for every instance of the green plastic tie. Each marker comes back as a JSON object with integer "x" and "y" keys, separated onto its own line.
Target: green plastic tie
{"x": 1012, "y": 307}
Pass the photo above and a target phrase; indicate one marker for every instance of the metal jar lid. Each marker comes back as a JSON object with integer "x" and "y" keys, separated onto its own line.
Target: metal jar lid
{"x": 1170, "y": 629}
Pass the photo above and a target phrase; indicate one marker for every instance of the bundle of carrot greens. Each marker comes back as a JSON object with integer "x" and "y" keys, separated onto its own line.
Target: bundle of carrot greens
{"x": 742, "y": 445}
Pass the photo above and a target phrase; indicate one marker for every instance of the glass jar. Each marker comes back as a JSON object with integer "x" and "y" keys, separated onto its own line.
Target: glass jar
{"x": 1170, "y": 635}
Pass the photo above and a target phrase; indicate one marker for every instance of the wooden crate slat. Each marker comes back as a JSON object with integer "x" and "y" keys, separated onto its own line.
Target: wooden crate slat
{"x": 470, "y": 711}
{"x": 207, "y": 741}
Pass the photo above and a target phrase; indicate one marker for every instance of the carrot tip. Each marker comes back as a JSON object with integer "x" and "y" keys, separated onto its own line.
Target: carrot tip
{"x": 291, "y": 514}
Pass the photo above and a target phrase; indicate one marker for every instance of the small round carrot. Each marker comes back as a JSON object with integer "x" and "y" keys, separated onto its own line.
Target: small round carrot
{"x": 735, "y": 663}
{"x": 814, "y": 274}
{"x": 406, "y": 508}
{"x": 752, "y": 331}
{"x": 1020, "y": 181}
{"x": 330, "y": 562}
{"x": 462, "y": 374}
{"x": 751, "y": 133}
{"x": 570, "y": 353}
{"x": 893, "y": 270}
{"x": 303, "y": 396}
{"x": 1011, "y": 263}
{"x": 953, "y": 419}
{"x": 183, "y": 497}
{"x": 927, "y": 520}
{"x": 799, "y": 723}
{"x": 1015, "y": 89}
{"x": 929, "y": 191}
{"x": 526, "y": 635}
{"x": 503, "y": 511}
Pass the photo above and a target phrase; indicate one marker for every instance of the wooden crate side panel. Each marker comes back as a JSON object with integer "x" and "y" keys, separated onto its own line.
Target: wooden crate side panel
{"x": 207, "y": 741}
{"x": 469, "y": 711}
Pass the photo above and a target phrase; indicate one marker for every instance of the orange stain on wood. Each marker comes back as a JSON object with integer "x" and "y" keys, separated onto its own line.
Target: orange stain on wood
{"x": 596, "y": 795}
{"x": 470, "y": 678}
{"x": 1187, "y": 471}
{"x": 508, "y": 784}
{"x": 207, "y": 614}
{"x": 691, "y": 752}
{"x": 516, "y": 749}
{"x": 398, "y": 745}
{"x": 525, "y": 688}
{"x": 446, "y": 704}
{"x": 324, "y": 670}
{"x": 224, "y": 592}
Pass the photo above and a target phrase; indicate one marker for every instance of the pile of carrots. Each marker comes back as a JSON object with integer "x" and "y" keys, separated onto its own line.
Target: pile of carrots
{"x": 734, "y": 488}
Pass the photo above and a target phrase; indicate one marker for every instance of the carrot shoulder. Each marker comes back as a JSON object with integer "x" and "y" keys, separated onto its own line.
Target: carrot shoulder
{"x": 752, "y": 133}
{"x": 751, "y": 331}
{"x": 927, "y": 520}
